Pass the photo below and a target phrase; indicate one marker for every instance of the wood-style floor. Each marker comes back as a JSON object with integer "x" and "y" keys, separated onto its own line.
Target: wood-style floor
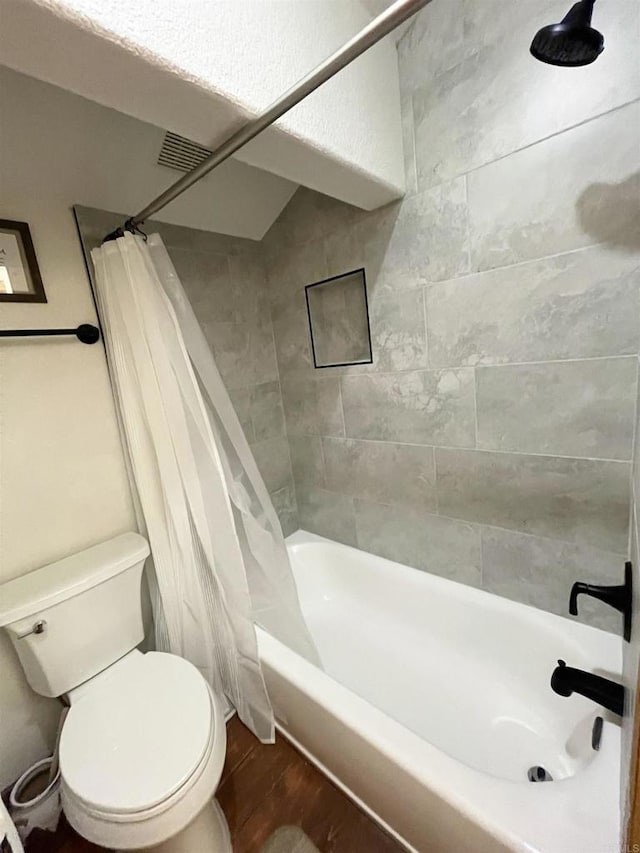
{"x": 263, "y": 788}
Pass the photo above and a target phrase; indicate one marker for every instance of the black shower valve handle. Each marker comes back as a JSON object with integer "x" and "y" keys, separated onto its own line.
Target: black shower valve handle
{"x": 614, "y": 596}
{"x": 619, "y": 597}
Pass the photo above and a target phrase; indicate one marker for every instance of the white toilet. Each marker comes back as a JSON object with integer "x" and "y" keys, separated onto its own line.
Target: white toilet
{"x": 144, "y": 741}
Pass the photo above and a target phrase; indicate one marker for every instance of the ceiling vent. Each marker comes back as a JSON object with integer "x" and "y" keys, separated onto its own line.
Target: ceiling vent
{"x": 180, "y": 153}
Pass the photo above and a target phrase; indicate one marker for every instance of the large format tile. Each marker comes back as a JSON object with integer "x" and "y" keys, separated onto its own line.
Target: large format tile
{"x": 312, "y": 406}
{"x": 434, "y": 42}
{"x": 407, "y": 535}
{"x": 249, "y": 283}
{"x": 579, "y": 305}
{"x": 344, "y": 250}
{"x": 208, "y": 285}
{"x": 241, "y": 400}
{"x": 272, "y": 459}
{"x": 569, "y": 408}
{"x": 497, "y": 99}
{"x": 576, "y": 500}
{"x": 291, "y": 334}
{"x": 244, "y": 352}
{"x": 266, "y": 411}
{"x": 306, "y": 461}
{"x": 486, "y": 22}
{"x": 541, "y": 572}
{"x": 308, "y": 216}
{"x": 417, "y": 407}
{"x": 408, "y": 145}
{"x": 472, "y": 113}
{"x": 447, "y": 122}
{"x": 284, "y": 503}
{"x": 561, "y": 194}
{"x": 290, "y": 268}
{"x": 397, "y": 326}
{"x": 327, "y": 514}
{"x": 398, "y": 332}
{"x": 381, "y": 471}
{"x": 423, "y": 239}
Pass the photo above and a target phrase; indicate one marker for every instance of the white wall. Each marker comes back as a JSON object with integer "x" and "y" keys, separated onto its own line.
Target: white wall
{"x": 62, "y": 479}
{"x": 108, "y": 160}
{"x": 215, "y": 64}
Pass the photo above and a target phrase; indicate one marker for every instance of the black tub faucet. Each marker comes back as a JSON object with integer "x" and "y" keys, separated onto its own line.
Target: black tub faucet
{"x": 566, "y": 680}
{"x": 619, "y": 597}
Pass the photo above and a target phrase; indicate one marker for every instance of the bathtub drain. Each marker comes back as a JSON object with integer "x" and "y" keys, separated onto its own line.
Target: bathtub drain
{"x": 539, "y": 774}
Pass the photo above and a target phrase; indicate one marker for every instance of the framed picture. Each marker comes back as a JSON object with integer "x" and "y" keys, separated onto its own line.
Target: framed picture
{"x": 20, "y": 279}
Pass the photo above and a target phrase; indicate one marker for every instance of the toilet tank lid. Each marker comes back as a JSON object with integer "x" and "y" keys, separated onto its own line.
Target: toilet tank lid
{"x": 66, "y": 578}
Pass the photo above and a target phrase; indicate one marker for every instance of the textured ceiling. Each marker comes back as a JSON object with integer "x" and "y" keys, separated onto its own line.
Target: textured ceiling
{"x": 205, "y": 71}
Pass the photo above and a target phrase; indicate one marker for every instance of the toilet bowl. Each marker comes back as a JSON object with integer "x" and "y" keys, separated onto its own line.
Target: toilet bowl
{"x": 141, "y": 754}
{"x": 143, "y": 744}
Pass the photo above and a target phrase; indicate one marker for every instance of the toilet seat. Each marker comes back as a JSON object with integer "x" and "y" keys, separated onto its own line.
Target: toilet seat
{"x": 134, "y": 773}
{"x": 134, "y": 740}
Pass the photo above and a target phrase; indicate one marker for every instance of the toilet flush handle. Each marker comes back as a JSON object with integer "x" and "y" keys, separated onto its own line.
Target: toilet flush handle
{"x": 38, "y": 627}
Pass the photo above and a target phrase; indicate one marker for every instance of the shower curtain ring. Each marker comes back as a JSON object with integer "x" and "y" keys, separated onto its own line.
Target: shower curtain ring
{"x": 131, "y": 226}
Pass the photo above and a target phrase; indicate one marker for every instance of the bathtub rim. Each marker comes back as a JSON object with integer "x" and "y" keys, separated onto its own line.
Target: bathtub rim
{"x": 474, "y": 593}
{"x": 438, "y": 771}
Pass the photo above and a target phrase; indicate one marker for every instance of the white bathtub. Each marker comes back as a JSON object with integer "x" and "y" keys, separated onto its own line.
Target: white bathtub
{"x": 436, "y": 701}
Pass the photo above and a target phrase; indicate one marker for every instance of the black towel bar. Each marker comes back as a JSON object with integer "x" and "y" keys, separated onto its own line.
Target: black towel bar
{"x": 85, "y": 333}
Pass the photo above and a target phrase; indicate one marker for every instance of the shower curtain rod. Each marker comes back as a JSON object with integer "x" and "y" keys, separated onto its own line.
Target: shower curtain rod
{"x": 381, "y": 26}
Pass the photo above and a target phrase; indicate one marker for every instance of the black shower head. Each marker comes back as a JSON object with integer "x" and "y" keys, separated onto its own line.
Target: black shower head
{"x": 571, "y": 42}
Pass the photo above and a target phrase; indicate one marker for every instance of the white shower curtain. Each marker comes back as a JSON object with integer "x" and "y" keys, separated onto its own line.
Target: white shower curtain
{"x": 219, "y": 556}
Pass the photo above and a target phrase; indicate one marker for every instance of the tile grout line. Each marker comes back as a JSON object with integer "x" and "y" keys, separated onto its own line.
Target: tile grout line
{"x": 467, "y": 218}
{"x": 475, "y": 407}
{"x": 555, "y": 134}
{"x": 451, "y": 367}
{"x": 344, "y": 420}
{"x": 468, "y": 449}
{"x": 426, "y": 328}
{"x": 479, "y": 525}
{"x": 267, "y": 288}
{"x": 414, "y": 148}
{"x": 323, "y": 461}
{"x": 532, "y": 144}
{"x": 521, "y": 263}
{"x": 434, "y": 456}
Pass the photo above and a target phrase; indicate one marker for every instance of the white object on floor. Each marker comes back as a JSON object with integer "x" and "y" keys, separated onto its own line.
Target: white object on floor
{"x": 41, "y": 811}
{"x": 143, "y": 744}
{"x": 8, "y": 832}
{"x": 435, "y": 701}
{"x": 289, "y": 839}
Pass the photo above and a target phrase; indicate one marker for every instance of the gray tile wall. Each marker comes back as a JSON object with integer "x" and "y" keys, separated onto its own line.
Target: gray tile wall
{"x": 491, "y": 439}
{"x": 225, "y": 281}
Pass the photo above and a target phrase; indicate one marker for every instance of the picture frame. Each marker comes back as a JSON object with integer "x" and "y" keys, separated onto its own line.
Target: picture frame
{"x": 20, "y": 279}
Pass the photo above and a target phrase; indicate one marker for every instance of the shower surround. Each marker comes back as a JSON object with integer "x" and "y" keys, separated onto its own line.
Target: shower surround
{"x": 490, "y": 441}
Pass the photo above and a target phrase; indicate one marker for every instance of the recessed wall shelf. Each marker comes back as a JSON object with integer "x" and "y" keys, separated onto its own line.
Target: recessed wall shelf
{"x": 338, "y": 314}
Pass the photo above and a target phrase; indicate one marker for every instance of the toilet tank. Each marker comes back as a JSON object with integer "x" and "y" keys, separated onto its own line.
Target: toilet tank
{"x": 75, "y": 617}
